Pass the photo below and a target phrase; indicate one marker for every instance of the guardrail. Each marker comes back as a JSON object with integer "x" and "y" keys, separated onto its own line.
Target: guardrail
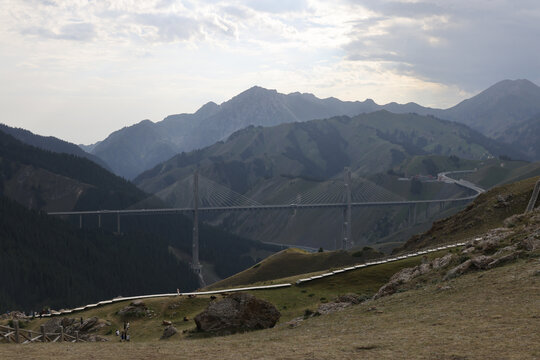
{"x": 262, "y": 287}
{"x": 378, "y": 262}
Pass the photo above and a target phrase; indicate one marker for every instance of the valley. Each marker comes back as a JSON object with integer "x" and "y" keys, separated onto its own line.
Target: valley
{"x": 298, "y": 179}
{"x": 408, "y": 322}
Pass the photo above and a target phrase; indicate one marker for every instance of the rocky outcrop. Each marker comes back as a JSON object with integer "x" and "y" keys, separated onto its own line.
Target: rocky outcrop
{"x": 349, "y": 298}
{"x": 520, "y": 238}
{"x": 237, "y": 313}
{"x": 168, "y": 332}
{"x": 406, "y": 275}
{"x": 87, "y": 328}
{"x": 328, "y": 308}
{"x": 137, "y": 308}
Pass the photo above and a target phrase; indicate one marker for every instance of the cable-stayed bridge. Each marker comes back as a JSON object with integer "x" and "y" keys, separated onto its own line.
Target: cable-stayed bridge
{"x": 200, "y": 194}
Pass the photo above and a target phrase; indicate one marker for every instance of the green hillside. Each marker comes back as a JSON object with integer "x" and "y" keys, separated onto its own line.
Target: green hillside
{"x": 275, "y": 165}
{"x": 293, "y": 262}
{"x": 47, "y": 262}
{"x": 52, "y": 181}
{"x": 319, "y": 149}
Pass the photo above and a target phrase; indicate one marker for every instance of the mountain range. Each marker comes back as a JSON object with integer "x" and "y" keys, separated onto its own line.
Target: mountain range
{"x": 494, "y": 112}
{"x": 275, "y": 164}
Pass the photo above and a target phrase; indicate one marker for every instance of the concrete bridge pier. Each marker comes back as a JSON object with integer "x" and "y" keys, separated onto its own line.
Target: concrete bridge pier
{"x": 347, "y": 217}
{"x": 118, "y": 223}
{"x": 412, "y": 214}
{"x": 196, "y": 266}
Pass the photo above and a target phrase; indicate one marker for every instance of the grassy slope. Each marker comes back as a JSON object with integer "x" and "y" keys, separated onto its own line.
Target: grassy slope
{"x": 497, "y": 172}
{"x": 486, "y": 212}
{"x": 482, "y": 316}
{"x": 290, "y": 301}
{"x": 292, "y": 262}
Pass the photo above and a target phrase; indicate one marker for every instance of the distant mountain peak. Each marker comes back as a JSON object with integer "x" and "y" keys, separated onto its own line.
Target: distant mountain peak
{"x": 256, "y": 90}
{"x": 207, "y": 109}
{"x": 512, "y": 87}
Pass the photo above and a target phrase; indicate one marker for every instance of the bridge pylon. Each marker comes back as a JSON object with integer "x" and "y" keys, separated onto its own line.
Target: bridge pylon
{"x": 196, "y": 266}
{"x": 347, "y": 231}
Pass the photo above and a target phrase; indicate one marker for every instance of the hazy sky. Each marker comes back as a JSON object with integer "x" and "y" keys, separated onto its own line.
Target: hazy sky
{"x": 82, "y": 69}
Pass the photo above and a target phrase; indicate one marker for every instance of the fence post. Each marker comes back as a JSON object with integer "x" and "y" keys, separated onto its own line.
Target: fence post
{"x": 77, "y": 336}
{"x": 534, "y": 197}
{"x": 16, "y": 326}
{"x": 43, "y": 338}
{"x": 61, "y": 334}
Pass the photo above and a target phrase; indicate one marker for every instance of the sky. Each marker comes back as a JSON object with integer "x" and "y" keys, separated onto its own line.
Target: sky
{"x": 81, "y": 69}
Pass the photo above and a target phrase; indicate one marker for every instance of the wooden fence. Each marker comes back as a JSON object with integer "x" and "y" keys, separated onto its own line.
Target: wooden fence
{"x": 21, "y": 336}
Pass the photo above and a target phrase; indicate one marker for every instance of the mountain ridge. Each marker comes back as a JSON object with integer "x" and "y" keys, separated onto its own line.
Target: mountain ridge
{"x": 51, "y": 143}
{"x": 131, "y": 150}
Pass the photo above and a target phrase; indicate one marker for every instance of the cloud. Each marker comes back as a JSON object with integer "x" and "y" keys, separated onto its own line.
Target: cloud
{"x": 277, "y": 6}
{"x": 74, "y": 31}
{"x": 459, "y": 42}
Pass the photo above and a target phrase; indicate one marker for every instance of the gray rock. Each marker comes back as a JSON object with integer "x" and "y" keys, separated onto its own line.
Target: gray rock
{"x": 504, "y": 259}
{"x": 506, "y": 249}
{"x": 294, "y": 322}
{"x": 71, "y": 325}
{"x": 331, "y": 307}
{"x": 403, "y": 276}
{"x": 459, "y": 270}
{"x": 88, "y": 324}
{"x": 168, "y": 332}
{"x": 482, "y": 261}
{"x": 386, "y": 289}
{"x": 53, "y": 325}
{"x": 349, "y": 298}
{"x": 136, "y": 309}
{"x": 235, "y": 313}
{"x": 442, "y": 261}
{"x": 530, "y": 243}
{"x": 468, "y": 250}
{"x": 488, "y": 244}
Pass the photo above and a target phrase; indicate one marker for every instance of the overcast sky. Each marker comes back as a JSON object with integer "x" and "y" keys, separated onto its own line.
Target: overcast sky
{"x": 79, "y": 69}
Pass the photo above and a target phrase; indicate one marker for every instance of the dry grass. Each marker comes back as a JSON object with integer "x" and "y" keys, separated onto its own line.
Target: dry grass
{"x": 484, "y": 315}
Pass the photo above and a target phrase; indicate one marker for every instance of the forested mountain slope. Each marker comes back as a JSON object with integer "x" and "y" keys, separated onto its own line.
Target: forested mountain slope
{"x": 50, "y": 143}
{"x": 48, "y": 262}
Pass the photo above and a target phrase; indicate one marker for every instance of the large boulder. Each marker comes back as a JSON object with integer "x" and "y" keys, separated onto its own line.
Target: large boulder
{"x": 236, "y": 313}
{"x": 168, "y": 332}
{"x": 137, "y": 308}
